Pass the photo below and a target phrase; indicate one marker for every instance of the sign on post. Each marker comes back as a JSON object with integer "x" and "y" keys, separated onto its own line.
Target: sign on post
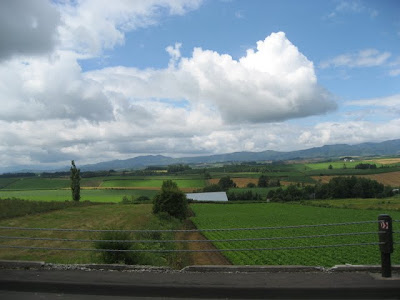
{"x": 385, "y": 243}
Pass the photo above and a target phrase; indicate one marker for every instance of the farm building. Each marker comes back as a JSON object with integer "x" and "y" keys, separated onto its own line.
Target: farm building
{"x": 214, "y": 196}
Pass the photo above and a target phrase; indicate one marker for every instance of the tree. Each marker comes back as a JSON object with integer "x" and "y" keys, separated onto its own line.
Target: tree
{"x": 207, "y": 175}
{"x": 171, "y": 200}
{"x": 75, "y": 182}
{"x": 330, "y": 167}
{"x": 212, "y": 188}
{"x": 263, "y": 181}
{"x": 226, "y": 183}
{"x": 251, "y": 185}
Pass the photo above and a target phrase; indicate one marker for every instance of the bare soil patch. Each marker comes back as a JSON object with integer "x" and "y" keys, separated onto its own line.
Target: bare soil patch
{"x": 200, "y": 258}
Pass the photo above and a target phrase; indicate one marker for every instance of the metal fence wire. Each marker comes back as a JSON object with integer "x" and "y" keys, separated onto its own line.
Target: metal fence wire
{"x": 7, "y": 238}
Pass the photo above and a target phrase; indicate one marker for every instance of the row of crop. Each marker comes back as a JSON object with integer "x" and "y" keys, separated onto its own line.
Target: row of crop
{"x": 272, "y": 215}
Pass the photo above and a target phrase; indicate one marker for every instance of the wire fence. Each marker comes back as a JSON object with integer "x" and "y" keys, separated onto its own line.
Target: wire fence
{"x": 186, "y": 241}
{"x": 6, "y": 239}
{"x": 188, "y": 250}
{"x": 187, "y": 230}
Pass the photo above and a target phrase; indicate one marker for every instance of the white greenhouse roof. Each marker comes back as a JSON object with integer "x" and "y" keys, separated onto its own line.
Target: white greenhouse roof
{"x": 214, "y": 196}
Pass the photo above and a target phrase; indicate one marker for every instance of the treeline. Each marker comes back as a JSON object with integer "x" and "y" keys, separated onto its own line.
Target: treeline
{"x": 224, "y": 184}
{"x": 276, "y": 166}
{"x": 178, "y": 168}
{"x": 243, "y": 196}
{"x": 365, "y": 166}
{"x": 265, "y": 181}
{"x": 14, "y": 175}
{"x": 337, "y": 188}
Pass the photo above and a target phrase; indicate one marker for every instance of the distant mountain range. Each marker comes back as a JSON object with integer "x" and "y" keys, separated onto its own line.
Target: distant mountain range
{"x": 391, "y": 147}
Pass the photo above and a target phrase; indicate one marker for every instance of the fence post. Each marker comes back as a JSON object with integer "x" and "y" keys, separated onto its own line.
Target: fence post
{"x": 386, "y": 246}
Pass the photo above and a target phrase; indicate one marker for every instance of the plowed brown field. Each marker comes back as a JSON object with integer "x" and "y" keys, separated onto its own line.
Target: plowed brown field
{"x": 240, "y": 182}
{"x": 386, "y": 161}
{"x": 392, "y": 178}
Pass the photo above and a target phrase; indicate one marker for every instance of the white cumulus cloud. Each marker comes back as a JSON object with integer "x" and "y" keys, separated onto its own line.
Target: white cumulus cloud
{"x": 273, "y": 83}
{"x": 390, "y": 101}
{"x": 89, "y": 26}
{"x": 363, "y": 58}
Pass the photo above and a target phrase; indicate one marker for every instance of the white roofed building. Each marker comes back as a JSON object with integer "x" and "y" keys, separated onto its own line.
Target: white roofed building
{"x": 214, "y": 196}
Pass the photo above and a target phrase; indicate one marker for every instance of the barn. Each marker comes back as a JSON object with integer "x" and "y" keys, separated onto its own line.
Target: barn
{"x": 214, "y": 196}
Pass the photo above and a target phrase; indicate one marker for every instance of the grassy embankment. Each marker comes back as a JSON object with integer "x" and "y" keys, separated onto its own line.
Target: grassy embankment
{"x": 103, "y": 216}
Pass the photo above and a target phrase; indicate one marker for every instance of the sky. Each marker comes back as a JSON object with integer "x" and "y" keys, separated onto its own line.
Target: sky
{"x": 99, "y": 80}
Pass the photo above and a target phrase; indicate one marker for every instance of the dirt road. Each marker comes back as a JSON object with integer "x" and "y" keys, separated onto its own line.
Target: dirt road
{"x": 200, "y": 258}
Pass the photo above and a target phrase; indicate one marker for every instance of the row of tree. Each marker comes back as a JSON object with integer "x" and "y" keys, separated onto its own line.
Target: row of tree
{"x": 265, "y": 181}
{"x": 365, "y": 166}
{"x": 337, "y": 188}
{"x": 243, "y": 196}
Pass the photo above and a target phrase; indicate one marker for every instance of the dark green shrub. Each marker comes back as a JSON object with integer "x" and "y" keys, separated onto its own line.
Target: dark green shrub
{"x": 142, "y": 199}
{"x": 226, "y": 183}
{"x": 126, "y": 200}
{"x": 212, "y": 188}
{"x": 171, "y": 200}
{"x": 116, "y": 240}
{"x": 263, "y": 181}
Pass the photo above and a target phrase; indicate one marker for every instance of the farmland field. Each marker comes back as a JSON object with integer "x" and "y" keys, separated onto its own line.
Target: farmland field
{"x": 97, "y": 189}
{"x": 386, "y": 204}
{"x": 101, "y": 216}
{"x": 273, "y": 215}
{"x": 95, "y": 195}
{"x": 391, "y": 178}
{"x": 335, "y": 164}
{"x": 153, "y": 183}
{"x": 387, "y": 161}
{"x": 38, "y": 183}
{"x": 240, "y": 182}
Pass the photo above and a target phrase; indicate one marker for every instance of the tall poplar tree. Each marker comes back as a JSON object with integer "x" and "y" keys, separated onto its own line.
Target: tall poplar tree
{"x": 75, "y": 182}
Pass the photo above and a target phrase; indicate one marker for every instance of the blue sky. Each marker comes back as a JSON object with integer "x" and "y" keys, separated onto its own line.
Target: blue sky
{"x": 97, "y": 80}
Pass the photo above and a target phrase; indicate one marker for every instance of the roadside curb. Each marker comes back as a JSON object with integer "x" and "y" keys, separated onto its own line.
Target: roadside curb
{"x": 18, "y": 264}
{"x": 361, "y": 268}
{"x": 288, "y": 269}
{"x": 251, "y": 269}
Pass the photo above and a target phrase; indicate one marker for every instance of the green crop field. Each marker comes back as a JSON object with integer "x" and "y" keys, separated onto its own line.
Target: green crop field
{"x": 386, "y": 204}
{"x": 4, "y": 182}
{"x": 273, "y": 215}
{"x": 101, "y": 195}
{"x": 336, "y": 164}
{"x": 38, "y": 183}
{"x": 154, "y": 183}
